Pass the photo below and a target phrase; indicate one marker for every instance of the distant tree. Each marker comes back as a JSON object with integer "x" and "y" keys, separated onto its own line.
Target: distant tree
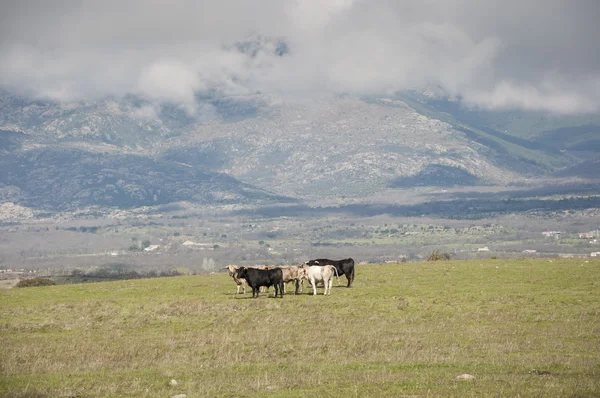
{"x": 35, "y": 282}
{"x": 145, "y": 244}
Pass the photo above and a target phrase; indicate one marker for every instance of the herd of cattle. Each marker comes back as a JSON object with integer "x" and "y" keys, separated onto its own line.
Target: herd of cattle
{"x": 321, "y": 270}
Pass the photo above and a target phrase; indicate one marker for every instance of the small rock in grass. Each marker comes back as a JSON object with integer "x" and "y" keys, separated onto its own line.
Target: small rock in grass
{"x": 179, "y": 396}
{"x": 539, "y": 372}
{"x": 465, "y": 377}
{"x": 173, "y": 382}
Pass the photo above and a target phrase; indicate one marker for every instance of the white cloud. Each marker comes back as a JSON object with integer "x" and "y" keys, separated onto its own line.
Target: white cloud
{"x": 534, "y": 55}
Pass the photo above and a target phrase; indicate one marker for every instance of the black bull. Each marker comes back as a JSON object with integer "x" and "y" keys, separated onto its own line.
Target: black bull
{"x": 259, "y": 277}
{"x": 343, "y": 267}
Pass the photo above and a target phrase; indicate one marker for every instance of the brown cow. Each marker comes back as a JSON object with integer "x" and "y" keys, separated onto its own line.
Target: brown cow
{"x": 291, "y": 273}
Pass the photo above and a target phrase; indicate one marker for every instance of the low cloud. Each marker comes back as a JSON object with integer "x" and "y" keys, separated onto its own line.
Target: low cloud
{"x": 535, "y": 55}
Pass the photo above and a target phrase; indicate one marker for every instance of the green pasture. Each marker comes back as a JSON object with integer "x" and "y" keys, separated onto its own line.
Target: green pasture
{"x": 404, "y": 329}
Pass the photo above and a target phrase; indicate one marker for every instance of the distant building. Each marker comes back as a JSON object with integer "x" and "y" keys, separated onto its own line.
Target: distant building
{"x": 586, "y": 235}
{"x": 483, "y": 249}
{"x": 151, "y": 248}
{"x": 595, "y": 254}
{"x": 530, "y": 251}
{"x": 552, "y": 234}
{"x": 201, "y": 246}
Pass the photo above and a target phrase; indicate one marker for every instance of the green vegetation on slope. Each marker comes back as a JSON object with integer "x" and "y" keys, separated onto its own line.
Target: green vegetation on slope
{"x": 516, "y": 153}
{"x": 403, "y": 329}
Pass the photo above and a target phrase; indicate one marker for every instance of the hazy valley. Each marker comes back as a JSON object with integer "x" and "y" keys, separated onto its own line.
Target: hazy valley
{"x": 263, "y": 178}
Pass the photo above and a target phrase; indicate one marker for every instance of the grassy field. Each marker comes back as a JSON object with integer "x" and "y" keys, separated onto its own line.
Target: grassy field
{"x": 402, "y": 330}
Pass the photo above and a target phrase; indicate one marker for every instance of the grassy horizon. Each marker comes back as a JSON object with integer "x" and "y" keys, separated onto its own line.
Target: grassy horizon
{"x": 404, "y": 329}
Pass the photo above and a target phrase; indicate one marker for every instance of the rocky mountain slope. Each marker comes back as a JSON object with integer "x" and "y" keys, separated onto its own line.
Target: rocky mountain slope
{"x": 253, "y": 149}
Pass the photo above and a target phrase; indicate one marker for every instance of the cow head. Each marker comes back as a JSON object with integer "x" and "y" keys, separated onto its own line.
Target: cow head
{"x": 232, "y": 269}
{"x": 242, "y": 272}
{"x": 302, "y": 272}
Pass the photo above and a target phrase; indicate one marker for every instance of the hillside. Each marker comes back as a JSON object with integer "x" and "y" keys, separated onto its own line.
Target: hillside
{"x": 557, "y": 140}
{"x": 520, "y": 327}
{"x": 55, "y": 177}
{"x": 128, "y": 152}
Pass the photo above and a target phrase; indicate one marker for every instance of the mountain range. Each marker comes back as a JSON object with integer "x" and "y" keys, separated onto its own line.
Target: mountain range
{"x": 265, "y": 148}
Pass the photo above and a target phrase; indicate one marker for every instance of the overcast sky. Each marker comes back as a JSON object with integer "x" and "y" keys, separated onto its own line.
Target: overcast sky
{"x": 531, "y": 54}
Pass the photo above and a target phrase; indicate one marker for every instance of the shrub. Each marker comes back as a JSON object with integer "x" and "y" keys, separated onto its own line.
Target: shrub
{"x": 437, "y": 256}
{"x": 34, "y": 282}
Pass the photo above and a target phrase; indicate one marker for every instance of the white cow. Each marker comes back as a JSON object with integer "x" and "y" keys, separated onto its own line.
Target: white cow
{"x": 238, "y": 281}
{"x": 316, "y": 274}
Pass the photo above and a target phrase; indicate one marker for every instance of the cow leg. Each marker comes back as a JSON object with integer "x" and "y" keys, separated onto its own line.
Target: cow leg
{"x": 297, "y": 286}
{"x": 330, "y": 283}
{"x": 350, "y": 278}
{"x": 314, "y": 286}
